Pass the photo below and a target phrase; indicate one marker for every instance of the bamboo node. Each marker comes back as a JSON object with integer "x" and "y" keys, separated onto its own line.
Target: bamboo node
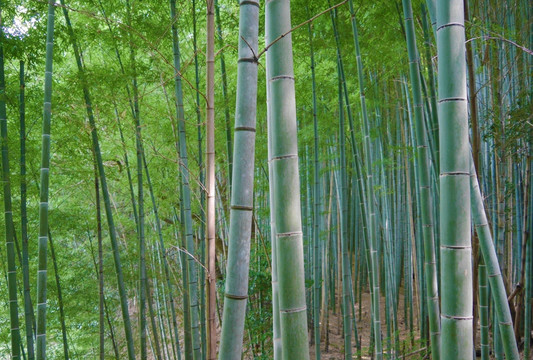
{"x": 450, "y": 24}
{"x": 249, "y": 2}
{"x": 236, "y": 297}
{"x": 295, "y": 310}
{"x": 289, "y": 234}
{"x": 244, "y": 128}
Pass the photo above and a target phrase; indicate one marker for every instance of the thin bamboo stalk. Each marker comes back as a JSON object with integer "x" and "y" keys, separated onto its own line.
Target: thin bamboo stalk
{"x": 186, "y": 192}
{"x": 8, "y": 214}
{"x": 422, "y": 168}
{"x": 29, "y": 316}
{"x": 484, "y": 311}
{"x": 59, "y": 298}
{"x": 100, "y": 268}
{"x": 505, "y": 322}
{"x": 317, "y": 205}
{"x": 210, "y": 182}
{"x": 44, "y": 181}
{"x": 203, "y": 330}
{"x": 372, "y": 239}
{"x": 105, "y": 190}
{"x": 224, "y": 94}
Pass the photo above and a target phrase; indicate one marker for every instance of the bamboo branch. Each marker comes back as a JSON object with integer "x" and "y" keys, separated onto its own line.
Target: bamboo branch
{"x": 299, "y": 26}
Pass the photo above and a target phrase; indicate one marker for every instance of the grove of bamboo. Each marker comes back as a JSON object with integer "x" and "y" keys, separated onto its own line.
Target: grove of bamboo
{"x": 311, "y": 180}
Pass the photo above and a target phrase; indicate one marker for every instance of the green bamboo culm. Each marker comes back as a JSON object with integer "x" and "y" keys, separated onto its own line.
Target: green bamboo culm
{"x": 372, "y": 233}
{"x": 455, "y": 249}
{"x": 484, "y": 312}
{"x": 422, "y": 169}
{"x": 186, "y": 191}
{"x": 28, "y": 307}
{"x": 59, "y": 299}
{"x": 342, "y": 193}
{"x": 317, "y": 205}
{"x": 223, "y": 75}
{"x": 236, "y": 292}
{"x": 276, "y": 327}
{"x": 140, "y": 198}
{"x": 44, "y": 181}
{"x": 285, "y": 182}
{"x": 105, "y": 190}
{"x": 497, "y": 287}
{"x": 8, "y": 214}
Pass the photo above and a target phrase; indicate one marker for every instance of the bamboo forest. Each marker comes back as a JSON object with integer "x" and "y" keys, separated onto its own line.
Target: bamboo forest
{"x": 266, "y": 179}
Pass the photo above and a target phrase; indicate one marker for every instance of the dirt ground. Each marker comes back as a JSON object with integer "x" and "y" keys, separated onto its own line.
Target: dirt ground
{"x": 335, "y": 346}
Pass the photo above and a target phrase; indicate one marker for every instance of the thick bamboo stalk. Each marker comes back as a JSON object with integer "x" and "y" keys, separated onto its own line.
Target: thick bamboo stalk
{"x": 236, "y": 292}
{"x": 285, "y": 183}
{"x": 456, "y": 268}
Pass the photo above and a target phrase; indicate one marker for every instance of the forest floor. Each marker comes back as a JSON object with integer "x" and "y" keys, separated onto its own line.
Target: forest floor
{"x": 332, "y": 343}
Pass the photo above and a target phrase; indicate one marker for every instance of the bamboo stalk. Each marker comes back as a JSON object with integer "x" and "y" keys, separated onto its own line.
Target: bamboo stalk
{"x": 455, "y": 226}
{"x": 285, "y": 183}
{"x": 44, "y": 181}
{"x": 242, "y": 194}
{"x": 105, "y": 190}
{"x": 8, "y": 214}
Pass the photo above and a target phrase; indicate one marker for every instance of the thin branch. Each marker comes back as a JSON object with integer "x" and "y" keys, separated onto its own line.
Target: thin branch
{"x": 523, "y": 48}
{"x": 189, "y": 254}
{"x": 299, "y": 26}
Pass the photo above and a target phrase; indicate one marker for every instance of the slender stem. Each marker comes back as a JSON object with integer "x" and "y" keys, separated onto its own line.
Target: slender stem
{"x": 105, "y": 190}
{"x": 210, "y": 182}
{"x": 44, "y": 181}
{"x": 29, "y": 316}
